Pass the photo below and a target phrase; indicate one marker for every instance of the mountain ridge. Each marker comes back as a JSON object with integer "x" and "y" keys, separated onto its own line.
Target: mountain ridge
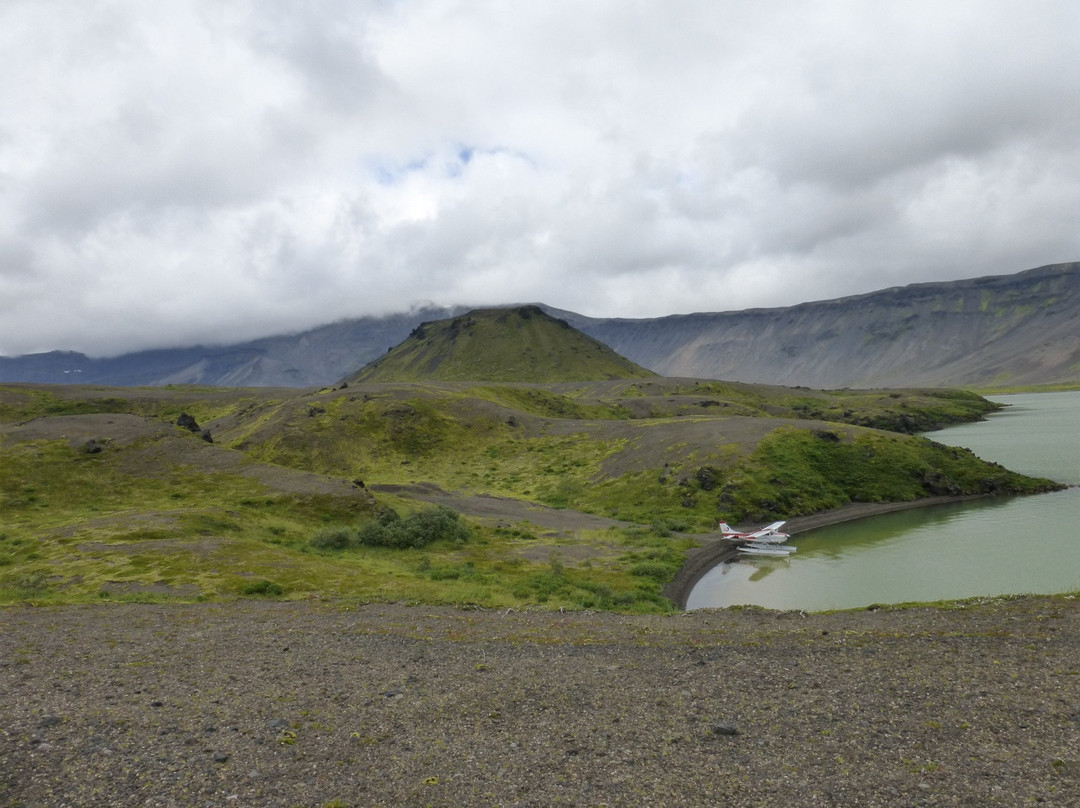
{"x": 1019, "y": 329}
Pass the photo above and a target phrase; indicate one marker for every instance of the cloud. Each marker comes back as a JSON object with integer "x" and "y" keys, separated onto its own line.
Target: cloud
{"x": 207, "y": 172}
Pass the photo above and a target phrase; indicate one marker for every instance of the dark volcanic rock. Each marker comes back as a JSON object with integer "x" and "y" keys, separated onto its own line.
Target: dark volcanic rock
{"x": 188, "y": 422}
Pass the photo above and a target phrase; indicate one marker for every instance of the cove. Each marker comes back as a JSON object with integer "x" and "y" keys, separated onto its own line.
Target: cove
{"x": 997, "y": 546}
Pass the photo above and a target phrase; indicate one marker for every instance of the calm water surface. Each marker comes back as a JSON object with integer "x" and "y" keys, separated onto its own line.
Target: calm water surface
{"x": 990, "y": 547}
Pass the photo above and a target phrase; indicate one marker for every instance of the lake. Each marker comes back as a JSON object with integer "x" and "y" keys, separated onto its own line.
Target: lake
{"x": 997, "y": 546}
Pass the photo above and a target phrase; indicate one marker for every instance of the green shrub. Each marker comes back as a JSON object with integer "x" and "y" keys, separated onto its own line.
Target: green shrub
{"x": 388, "y": 517}
{"x": 437, "y": 524}
{"x": 333, "y": 538}
{"x": 374, "y": 534}
{"x": 265, "y": 588}
{"x": 417, "y": 530}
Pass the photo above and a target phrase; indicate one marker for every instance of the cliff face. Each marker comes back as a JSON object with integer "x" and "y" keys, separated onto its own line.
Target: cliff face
{"x": 1014, "y": 329}
{"x": 1004, "y": 330}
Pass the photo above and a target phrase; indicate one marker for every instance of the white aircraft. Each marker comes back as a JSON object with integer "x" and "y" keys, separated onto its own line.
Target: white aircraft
{"x": 770, "y": 534}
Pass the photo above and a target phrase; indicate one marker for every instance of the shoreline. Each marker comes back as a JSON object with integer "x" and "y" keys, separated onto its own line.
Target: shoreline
{"x": 715, "y": 551}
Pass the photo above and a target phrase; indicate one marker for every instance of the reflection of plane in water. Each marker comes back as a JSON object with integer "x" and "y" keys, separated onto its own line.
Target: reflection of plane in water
{"x": 768, "y": 541}
{"x": 763, "y": 566}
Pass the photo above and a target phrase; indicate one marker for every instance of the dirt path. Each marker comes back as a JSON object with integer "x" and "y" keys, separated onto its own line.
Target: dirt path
{"x": 503, "y": 510}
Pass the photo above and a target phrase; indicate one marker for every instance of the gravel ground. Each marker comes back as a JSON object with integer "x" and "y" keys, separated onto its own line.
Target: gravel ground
{"x": 320, "y": 704}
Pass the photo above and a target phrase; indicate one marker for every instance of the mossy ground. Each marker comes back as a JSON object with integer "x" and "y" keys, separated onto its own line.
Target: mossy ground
{"x": 163, "y": 515}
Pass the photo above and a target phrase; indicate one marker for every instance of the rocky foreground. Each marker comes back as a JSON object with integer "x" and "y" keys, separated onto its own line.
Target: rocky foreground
{"x": 315, "y": 704}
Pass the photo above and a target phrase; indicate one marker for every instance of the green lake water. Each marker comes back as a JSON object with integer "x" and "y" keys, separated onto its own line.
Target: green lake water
{"x": 994, "y": 546}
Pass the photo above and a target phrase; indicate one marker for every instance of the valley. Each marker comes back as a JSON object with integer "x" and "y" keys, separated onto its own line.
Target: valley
{"x": 427, "y": 588}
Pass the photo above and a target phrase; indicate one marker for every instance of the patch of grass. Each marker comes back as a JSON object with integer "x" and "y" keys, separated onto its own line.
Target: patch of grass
{"x": 537, "y": 401}
{"x": 797, "y": 471}
{"x": 205, "y": 404}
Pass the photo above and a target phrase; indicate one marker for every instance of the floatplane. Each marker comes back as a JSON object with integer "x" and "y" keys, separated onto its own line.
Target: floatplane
{"x": 768, "y": 541}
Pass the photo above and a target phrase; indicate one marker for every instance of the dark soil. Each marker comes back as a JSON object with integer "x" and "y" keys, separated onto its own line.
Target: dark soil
{"x": 318, "y": 704}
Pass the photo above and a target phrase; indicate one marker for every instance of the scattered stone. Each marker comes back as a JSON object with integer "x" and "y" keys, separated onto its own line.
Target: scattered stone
{"x": 277, "y": 723}
{"x": 92, "y": 447}
{"x": 157, "y": 703}
{"x": 725, "y": 729}
{"x": 50, "y": 721}
{"x": 220, "y": 757}
{"x": 706, "y": 476}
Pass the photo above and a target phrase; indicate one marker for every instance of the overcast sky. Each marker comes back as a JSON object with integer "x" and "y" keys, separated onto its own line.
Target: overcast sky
{"x": 209, "y": 171}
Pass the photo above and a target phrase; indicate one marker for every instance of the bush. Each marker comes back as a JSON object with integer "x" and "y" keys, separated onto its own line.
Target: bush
{"x": 418, "y": 530}
{"x": 264, "y": 587}
{"x": 388, "y": 517}
{"x": 333, "y": 538}
{"x": 436, "y": 524}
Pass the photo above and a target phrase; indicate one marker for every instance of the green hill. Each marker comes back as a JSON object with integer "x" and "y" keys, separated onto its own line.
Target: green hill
{"x": 501, "y": 345}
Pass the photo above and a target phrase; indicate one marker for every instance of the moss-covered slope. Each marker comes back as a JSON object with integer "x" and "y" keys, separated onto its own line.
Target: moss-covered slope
{"x": 522, "y": 344}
